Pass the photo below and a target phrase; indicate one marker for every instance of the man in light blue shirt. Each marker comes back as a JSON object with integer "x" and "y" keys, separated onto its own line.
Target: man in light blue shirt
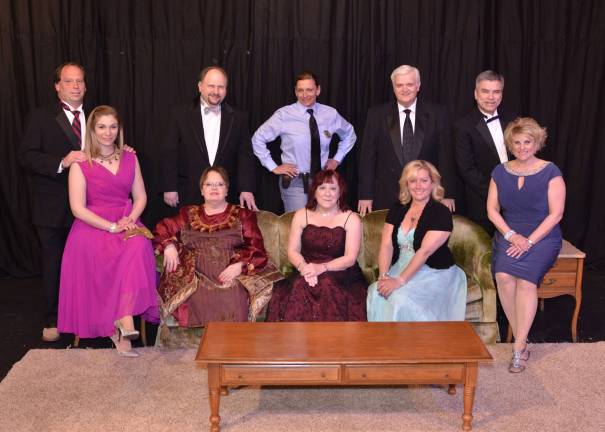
{"x": 306, "y": 129}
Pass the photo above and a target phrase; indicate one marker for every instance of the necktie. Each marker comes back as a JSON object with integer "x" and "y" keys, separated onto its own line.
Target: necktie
{"x": 491, "y": 119}
{"x": 216, "y": 109}
{"x": 407, "y": 137}
{"x": 75, "y": 124}
{"x": 315, "y": 150}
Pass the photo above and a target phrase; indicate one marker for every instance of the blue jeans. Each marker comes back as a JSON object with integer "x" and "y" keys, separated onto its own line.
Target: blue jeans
{"x": 293, "y": 197}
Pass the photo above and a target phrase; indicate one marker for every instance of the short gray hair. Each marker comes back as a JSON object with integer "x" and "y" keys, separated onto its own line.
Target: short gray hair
{"x": 404, "y": 70}
{"x": 489, "y": 75}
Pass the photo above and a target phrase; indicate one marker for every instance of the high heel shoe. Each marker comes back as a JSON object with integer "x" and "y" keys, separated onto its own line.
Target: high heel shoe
{"x": 124, "y": 333}
{"x": 115, "y": 338}
{"x": 519, "y": 360}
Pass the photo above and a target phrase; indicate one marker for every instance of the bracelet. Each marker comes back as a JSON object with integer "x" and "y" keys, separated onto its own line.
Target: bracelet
{"x": 531, "y": 243}
{"x": 509, "y": 234}
{"x": 113, "y": 227}
{"x": 300, "y": 265}
{"x": 385, "y": 274}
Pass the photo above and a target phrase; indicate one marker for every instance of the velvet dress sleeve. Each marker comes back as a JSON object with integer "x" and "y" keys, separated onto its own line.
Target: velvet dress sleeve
{"x": 252, "y": 253}
{"x": 168, "y": 230}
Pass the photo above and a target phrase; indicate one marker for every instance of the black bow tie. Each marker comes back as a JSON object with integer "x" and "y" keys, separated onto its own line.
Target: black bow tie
{"x": 487, "y": 120}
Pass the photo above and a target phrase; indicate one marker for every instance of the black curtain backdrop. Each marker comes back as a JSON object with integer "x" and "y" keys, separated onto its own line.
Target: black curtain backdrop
{"x": 144, "y": 57}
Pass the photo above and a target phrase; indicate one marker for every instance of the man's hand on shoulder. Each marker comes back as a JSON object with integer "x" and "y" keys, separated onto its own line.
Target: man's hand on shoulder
{"x": 449, "y": 203}
{"x": 73, "y": 156}
{"x": 246, "y": 199}
{"x": 171, "y": 198}
{"x": 331, "y": 164}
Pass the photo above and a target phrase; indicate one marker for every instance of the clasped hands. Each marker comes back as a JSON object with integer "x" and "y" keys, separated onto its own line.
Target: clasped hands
{"x": 171, "y": 262}
{"x": 387, "y": 284}
{"x": 518, "y": 245}
{"x": 311, "y": 271}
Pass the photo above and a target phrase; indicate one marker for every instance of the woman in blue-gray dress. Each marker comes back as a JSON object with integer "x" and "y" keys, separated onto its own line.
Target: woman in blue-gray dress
{"x": 525, "y": 203}
{"x": 419, "y": 280}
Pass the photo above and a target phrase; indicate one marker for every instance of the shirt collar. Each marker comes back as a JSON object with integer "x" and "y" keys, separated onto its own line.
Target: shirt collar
{"x": 70, "y": 107}
{"x": 487, "y": 116}
{"x": 411, "y": 107}
{"x": 303, "y": 108}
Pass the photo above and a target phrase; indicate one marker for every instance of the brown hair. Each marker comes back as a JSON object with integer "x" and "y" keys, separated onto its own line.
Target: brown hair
{"x": 410, "y": 170}
{"x": 217, "y": 169}
{"x": 91, "y": 144}
{"x": 306, "y": 75}
{"x": 62, "y": 66}
{"x": 205, "y": 71}
{"x": 328, "y": 176}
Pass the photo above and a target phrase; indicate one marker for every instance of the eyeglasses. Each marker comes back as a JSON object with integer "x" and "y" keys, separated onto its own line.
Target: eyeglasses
{"x": 214, "y": 184}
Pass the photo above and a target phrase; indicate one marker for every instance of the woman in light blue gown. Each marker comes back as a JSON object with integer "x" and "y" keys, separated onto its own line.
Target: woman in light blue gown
{"x": 419, "y": 280}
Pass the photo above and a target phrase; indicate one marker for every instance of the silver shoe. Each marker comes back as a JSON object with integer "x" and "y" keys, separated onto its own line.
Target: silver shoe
{"x": 519, "y": 360}
{"x": 115, "y": 338}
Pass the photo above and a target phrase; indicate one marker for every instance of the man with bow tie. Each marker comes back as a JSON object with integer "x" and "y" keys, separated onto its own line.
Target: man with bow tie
{"x": 479, "y": 144}
{"x": 207, "y": 133}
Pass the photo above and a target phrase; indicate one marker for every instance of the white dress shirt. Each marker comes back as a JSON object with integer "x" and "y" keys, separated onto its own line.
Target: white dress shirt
{"x": 495, "y": 129}
{"x": 212, "y": 130}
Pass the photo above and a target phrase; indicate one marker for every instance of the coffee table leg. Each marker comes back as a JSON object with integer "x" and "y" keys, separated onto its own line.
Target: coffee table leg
{"x": 470, "y": 382}
{"x": 451, "y": 389}
{"x": 214, "y": 393}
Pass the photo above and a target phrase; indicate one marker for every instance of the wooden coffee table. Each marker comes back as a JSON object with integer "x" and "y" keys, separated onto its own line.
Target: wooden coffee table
{"x": 350, "y": 353}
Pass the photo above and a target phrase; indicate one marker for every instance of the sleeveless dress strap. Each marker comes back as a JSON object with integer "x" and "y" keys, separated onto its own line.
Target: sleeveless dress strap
{"x": 347, "y": 219}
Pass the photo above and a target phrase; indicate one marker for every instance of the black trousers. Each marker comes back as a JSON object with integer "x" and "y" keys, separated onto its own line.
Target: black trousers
{"x": 52, "y": 242}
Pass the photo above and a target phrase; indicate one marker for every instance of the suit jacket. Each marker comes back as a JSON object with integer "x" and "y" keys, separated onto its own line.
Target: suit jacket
{"x": 476, "y": 157}
{"x": 381, "y": 155}
{"x": 185, "y": 155}
{"x": 47, "y": 139}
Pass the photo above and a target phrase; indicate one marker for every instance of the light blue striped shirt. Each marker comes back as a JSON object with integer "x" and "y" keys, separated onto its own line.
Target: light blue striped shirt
{"x": 291, "y": 123}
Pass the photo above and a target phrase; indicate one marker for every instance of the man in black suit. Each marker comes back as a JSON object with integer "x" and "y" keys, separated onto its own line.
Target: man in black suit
{"x": 396, "y": 133}
{"x": 204, "y": 134}
{"x": 51, "y": 143}
{"x": 479, "y": 144}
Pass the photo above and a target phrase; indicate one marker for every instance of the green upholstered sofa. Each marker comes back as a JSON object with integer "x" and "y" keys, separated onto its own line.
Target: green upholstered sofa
{"x": 470, "y": 245}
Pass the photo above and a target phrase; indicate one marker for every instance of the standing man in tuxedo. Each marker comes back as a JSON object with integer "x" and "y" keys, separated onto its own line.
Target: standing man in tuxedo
{"x": 479, "y": 144}
{"x": 207, "y": 133}
{"x": 396, "y": 133}
{"x": 52, "y": 141}
{"x": 306, "y": 128}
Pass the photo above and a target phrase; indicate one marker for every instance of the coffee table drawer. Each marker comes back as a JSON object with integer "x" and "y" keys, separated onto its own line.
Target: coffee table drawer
{"x": 405, "y": 373}
{"x": 235, "y": 374}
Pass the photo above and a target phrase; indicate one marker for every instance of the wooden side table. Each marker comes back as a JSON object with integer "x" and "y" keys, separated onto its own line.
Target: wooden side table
{"x": 564, "y": 278}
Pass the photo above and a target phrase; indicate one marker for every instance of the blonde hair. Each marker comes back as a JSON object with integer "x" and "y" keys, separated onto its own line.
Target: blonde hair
{"x": 410, "y": 170}
{"x": 528, "y": 126}
{"x": 92, "y": 148}
{"x": 404, "y": 70}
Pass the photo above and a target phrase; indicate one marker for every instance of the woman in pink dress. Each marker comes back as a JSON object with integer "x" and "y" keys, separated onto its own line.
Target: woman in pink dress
{"x": 108, "y": 268}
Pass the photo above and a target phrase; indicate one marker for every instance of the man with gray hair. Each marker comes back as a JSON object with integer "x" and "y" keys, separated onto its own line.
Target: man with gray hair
{"x": 396, "y": 133}
{"x": 479, "y": 144}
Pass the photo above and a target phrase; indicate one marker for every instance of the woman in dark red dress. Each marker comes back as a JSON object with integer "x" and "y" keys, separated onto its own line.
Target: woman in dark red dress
{"x": 214, "y": 257}
{"x": 324, "y": 242}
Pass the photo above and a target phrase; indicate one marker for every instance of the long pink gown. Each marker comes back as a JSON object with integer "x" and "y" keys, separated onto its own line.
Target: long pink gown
{"x": 103, "y": 276}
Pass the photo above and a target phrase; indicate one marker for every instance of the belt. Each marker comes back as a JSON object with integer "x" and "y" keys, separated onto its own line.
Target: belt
{"x": 286, "y": 180}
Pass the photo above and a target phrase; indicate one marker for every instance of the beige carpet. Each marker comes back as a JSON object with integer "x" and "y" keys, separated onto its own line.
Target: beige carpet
{"x": 563, "y": 389}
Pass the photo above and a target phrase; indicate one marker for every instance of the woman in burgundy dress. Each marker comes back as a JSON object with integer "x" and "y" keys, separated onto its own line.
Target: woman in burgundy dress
{"x": 324, "y": 242}
{"x": 215, "y": 263}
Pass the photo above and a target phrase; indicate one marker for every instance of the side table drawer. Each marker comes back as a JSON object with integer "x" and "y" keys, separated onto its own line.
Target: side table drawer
{"x": 285, "y": 374}
{"x": 556, "y": 279}
{"x": 405, "y": 373}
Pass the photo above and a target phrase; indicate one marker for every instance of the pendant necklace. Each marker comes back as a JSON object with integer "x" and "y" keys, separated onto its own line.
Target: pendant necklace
{"x": 115, "y": 155}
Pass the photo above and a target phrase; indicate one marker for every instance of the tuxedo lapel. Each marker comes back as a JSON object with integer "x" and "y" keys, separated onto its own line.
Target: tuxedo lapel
{"x": 226, "y": 126}
{"x": 64, "y": 124}
{"x": 483, "y": 130}
{"x": 422, "y": 121}
{"x": 392, "y": 120}
{"x": 198, "y": 131}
